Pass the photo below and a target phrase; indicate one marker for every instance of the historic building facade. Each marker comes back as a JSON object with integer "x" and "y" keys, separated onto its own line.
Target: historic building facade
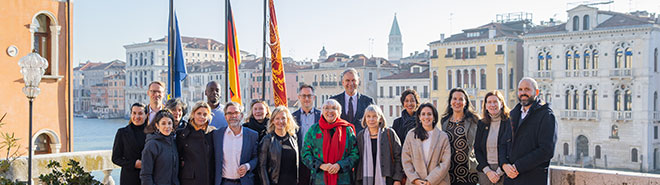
{"x": 599, "y": 71}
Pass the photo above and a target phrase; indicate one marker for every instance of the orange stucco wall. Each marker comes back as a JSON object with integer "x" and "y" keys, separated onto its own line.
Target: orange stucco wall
{"x": 51, "y": 107}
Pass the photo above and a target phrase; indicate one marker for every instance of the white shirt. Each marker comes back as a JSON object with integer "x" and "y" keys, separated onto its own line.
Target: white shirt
{"x": 346, "y": 98}
{"x": 426, "y": 146}
{"x": 231, "y": 148}
{"x": 523, "y": 112}
{"x": 152, "y": 112}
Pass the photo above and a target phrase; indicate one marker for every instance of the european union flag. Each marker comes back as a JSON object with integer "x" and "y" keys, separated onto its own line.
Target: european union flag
{"x": 178, "y": 66}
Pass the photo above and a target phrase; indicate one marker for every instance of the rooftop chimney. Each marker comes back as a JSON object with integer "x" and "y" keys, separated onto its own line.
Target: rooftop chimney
{"x": 442, "y": 37}
{"x": 492, "y": 32}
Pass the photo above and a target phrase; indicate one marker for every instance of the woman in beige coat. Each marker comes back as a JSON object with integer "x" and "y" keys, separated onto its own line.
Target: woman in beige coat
{"x": 426, "y": 153}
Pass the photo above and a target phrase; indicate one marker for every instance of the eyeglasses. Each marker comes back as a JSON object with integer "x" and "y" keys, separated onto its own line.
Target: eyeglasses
{"x": 233, "y": 113}
{"x": 306, "y": 96}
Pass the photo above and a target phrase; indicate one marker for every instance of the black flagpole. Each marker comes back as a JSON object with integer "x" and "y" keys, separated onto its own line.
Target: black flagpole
{"x": 226, "y": 56}
{"x": 263, "y": 76}
{"x": 171, "y": 39}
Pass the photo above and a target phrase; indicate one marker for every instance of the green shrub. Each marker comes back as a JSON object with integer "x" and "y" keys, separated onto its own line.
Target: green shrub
{"x": 73, "y": 175}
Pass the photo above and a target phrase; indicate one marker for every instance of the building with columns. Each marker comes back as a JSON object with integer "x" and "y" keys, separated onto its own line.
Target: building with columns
{"x": 479, "y": 60}
{"x": 390, "y": 88}
{"x": 599, "y": 71}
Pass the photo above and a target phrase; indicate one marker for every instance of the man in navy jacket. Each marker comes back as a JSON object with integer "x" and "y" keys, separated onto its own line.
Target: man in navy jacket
{"x": 352, "y": 102}
{"x": 235, "y": 149}
{"x": 305, "y": 117}
{"x": 528, "y": 143}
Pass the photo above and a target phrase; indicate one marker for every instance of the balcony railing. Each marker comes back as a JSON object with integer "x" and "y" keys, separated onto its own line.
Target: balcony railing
{"x": 590, "y": 73}
{"x": 328, "y": 83}
{"x": 621, "y": 73}
{"x": 471, "y": 91}
{"x": 572, "y": 73}
{"x": 622, "y": 115}
{"x": 656, "y": 116}
{"x": 579, "y": 115}
{"x": 543, "y": 74}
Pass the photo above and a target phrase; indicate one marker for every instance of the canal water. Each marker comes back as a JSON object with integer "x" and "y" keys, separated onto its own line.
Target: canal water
{"x": 96, "y": 134}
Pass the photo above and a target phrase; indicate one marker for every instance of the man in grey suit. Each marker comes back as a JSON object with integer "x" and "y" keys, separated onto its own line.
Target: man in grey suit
{"x": 352, "y": 102}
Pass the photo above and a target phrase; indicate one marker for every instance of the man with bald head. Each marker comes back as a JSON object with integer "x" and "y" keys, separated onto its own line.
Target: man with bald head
{"x": 529, "y": 140}
{"x": 212, "y": 93}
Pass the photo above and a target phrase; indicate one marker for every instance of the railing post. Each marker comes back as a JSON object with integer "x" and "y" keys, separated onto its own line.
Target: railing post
{"x": 107, "y": 179}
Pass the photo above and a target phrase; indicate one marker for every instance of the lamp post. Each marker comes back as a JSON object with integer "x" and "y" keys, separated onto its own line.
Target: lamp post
{"x": 33, "y": 67}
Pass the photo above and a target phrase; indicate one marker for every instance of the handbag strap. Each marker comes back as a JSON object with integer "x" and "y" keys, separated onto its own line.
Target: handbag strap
{"x": 389, "y": 140}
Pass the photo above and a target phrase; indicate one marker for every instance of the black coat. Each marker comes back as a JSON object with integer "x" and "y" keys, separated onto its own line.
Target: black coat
{"x": 481, "y": 138}
{"x": 127, "y": 148}
{"x": 529, "y": 144}
{"x": 258, "y": 127}
{"x": 404, "y": 124}
{"x": 270, "y": 158}
{"x": 363, "y": 101}
{"x": 160, "y": 161}
{"x": 196, "y": 155}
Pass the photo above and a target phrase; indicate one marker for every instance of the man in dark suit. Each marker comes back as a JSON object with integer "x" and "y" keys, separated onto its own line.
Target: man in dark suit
{"x": 235, "y": 150}
{"x": 306, "y": 116}
{"x": 529, "y": 140}
{"x": 352, "y": 102}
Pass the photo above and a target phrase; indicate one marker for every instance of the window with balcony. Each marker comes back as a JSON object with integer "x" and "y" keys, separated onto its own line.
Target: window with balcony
{"x": 482, "y": 50}
{"x": 618, "y": 58}
{"x": 473, "y": 79}
{"x": 587, "y": 60}
{"x": 618, "y": 97}
{"x": 628, "y": 60}
{"x": 569, "y": 60}
{"x": 499, "y": 79}
{"x": 576, "y": 60}
{"x": 435, "y": 80}
{"x": 483, "y": 79}
{"x": 585, "y": 22}
{"x": 628, "y": 101}
{"x": 569, "y": 100}
{"x": 576, "y": 23}
{"x": 594, "y": 59}
{"x": 499, "y": 50}
{"x": 541, "y": 62}
{"x": 458, "y": 78}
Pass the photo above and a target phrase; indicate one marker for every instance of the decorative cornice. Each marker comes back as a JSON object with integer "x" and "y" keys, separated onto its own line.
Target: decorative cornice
{"x": 587, "y": 33}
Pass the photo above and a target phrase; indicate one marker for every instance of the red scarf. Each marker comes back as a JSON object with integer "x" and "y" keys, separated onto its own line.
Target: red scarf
{"x": 333, "y": 146}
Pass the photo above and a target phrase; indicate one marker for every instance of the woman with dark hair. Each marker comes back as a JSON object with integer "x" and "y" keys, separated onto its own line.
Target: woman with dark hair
{"x": 258, "y": 117}
{"x": 460, "y": 123}
{"x": 178, "y": 109}
{"x": 160, "y": 159}
{"x": 128, "y": 145}
{"x": 278, "y": 150}
{"x": 490, "y": 127}
{"x": 410, "y": 102}
{"x": 426, "y": 155}
{"x": 379, "y": 149}
{"x": 195, "y": 146}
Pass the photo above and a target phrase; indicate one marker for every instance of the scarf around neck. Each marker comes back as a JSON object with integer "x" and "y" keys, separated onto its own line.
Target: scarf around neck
{"x": 333, "y": 145}
{"x": 368, "y": 176}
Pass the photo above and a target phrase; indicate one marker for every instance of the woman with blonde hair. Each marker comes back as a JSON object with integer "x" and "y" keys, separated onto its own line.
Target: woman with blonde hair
{"x": 195, "y": 146}
{"x": 278, "y": 151}
{"x": 493, "y": 125}
{"x": 258, "y": 116}
{"x": 379, "y": 149}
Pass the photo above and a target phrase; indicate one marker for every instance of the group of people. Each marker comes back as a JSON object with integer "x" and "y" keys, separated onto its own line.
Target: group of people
{"x": 348, "y": 141}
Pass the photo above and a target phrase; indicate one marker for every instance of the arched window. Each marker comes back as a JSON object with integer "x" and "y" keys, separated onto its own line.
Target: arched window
{"x": 483, "y": 79}
{"x": 628, "y": 63}
{"x": 594, "y": 99}
{"x": 633, "y": 155}
{"x": 435, "y": 80}
{"x": 43, "y": 39}
{"x": 565, "y": 149}
{"x": 576, "y": 23}
{"x": 548, "y": 61}
{"x": 587, "y": 100}
{"x": 628, "y": 101}
{"x": 43, "y": 143}
{"x": 585, "y": 22}
{"x": 466, "y": 79}
{"x": 587, "y": 59}
{"x": 569, "y": 60}
{"x": 499, "y": 79}
{"x": 576, "y": 100}
{"x": 458, "y": 79}
{"x": 617, "y": 100}
{"x": 568, "y": 100}
{"x": 576, "y": 60}
{"x": 618, "y": 58}
{"x": 541, "y": 62}
{"x": 597, "y": 152}
{"x": 655, "y": 60}
{"x": 449, "y": 72}
{"x": 473, "y": 79}
{"x": 594, "y": 60}
{"x": 655, "y": 101}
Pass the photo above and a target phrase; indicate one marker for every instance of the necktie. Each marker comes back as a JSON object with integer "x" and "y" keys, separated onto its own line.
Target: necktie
{"x": 350, "y": 109}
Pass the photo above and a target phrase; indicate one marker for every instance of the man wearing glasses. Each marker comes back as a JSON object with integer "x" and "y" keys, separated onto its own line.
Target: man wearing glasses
{"x": 235, "y": 149}
{"x": 155, "y": 93}
{"x": 306, "y": 116}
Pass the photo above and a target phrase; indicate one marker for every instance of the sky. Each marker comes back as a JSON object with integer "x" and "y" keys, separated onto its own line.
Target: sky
{"x": 101, "y": 27}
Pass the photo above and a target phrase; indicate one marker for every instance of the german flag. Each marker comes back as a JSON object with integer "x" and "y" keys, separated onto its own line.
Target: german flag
{"x": 233, "y": 58}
